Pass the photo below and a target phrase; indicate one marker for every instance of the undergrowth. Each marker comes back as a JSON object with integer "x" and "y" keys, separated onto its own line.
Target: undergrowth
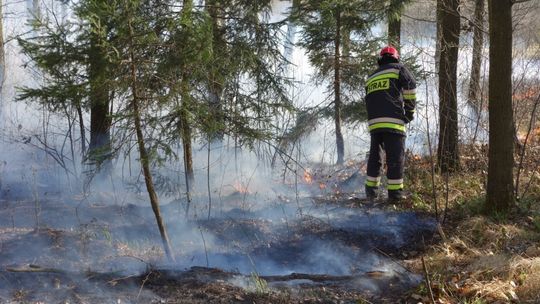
{"x": 479, "y": 258}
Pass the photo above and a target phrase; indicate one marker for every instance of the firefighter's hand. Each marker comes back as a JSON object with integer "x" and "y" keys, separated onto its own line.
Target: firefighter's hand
{"x": 409, "y": 116}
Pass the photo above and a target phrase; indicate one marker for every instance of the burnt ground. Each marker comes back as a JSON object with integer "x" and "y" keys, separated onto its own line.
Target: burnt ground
{"x": 254, "y": 249}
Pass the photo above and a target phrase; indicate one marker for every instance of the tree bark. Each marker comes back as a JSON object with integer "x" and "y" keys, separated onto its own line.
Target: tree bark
{"x": 100, "y": 121}
{"x": 447, "y": 153}
{"x": 184, "y": 111}
{"x": 143, "y": 154}
{"x": 476, "y": 65}
{"x": 500, "y": 190}
{"x": 185, "y": 129}
{"x": 216, "y": 79}
{"x": 337, "y": 91}
{"x": 81, "y": 128}
{"x": 438, "y": 34}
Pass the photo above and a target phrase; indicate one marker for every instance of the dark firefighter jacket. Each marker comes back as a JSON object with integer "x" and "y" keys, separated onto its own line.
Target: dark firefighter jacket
{"x": 390, "y": 98}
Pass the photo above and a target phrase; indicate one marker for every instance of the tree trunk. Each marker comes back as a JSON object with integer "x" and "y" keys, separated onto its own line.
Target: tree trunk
{"x": 81, "y": 128}
{"x": 394, "y": 29}
{"x": 478, "y": 42}
{"x": 447, "y": 154}
{"x": 438, "y": 34}
{"x": 500, "y": 190}
{"x": 216, "y": 79}
{"x": 99, "y": 149}
{"x": 185, "y": 124}
{"x": 337, "y": 91}
{"x": 143, "y": 155}
{"x": 186, "y": 139}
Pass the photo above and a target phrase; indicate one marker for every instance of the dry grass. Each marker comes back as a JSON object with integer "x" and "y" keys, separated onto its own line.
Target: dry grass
{"x": 486, "y": 262}
{"x": 481, "y": 259}
{"x": 528, "y": 272}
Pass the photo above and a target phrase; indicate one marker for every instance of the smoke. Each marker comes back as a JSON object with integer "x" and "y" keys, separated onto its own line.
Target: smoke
{"x": 265, "y": 227}
{"x": 263, "y": 220}
{"x": 246, "y": 217}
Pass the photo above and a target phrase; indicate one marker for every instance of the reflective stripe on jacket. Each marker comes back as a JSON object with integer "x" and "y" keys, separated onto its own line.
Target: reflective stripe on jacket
{"x": 390, "y": 98}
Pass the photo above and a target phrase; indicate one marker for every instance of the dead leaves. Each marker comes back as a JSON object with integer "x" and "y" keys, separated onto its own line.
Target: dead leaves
{"x": 484, "y": 260}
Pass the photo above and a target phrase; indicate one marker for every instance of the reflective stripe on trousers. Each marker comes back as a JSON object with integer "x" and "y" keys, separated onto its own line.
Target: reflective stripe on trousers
{"x": 394, "y": 146}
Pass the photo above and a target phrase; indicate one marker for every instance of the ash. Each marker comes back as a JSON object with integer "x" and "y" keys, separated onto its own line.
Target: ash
{"x": 55, "y": 246}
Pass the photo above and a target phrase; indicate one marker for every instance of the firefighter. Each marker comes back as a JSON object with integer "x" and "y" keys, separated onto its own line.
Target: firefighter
{"x": 390, "y": 102}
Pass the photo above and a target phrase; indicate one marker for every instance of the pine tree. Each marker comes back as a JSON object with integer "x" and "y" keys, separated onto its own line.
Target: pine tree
{"x": 141, "y": 42}
{"x": 185, "y": 95}
{"x": 111, "y": 48}
{"x": 246, "y": 85}
{"x": 99, "y": 78}
{"x": 182, "y": 68}
{"x": 77, "y": 73}
{"x": 327, "y": 27}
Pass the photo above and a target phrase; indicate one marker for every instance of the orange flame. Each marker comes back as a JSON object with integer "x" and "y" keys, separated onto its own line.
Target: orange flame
{"x": 240, "y": 188}
{"x": 307, "y": 177}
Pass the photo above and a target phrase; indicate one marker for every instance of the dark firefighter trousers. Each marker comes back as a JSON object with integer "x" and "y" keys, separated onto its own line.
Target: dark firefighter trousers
{"x": 393, "y": 145}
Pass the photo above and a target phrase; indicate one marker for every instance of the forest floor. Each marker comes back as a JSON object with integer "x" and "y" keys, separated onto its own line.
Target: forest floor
{"x": 330, "y": 246}
{"x": 478, "y": 258}
{"x": 107, "y": 255}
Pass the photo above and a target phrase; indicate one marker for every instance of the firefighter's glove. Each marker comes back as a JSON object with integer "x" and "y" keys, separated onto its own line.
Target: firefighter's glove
{"x": 409, "y": 116}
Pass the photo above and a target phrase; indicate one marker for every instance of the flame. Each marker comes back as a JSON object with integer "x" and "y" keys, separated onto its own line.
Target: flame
{"x": 240, "y": 188}
{"x": 322, "y": 186}
{"x": 308, "y": 178}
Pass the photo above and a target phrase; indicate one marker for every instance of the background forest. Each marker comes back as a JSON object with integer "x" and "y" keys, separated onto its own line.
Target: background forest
{"x": 144, "y": 138}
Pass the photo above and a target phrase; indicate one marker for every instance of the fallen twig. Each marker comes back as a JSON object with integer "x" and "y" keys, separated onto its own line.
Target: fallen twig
{"x": 34, "y": 268}
{"x": 441, "y": 232}
{"x": 115, "y": 281}
{"x": 391, "y": 259}
{"x": 143, "y": 282}
{"x": 304, "y": 276}
{"x": 428, "y": 281}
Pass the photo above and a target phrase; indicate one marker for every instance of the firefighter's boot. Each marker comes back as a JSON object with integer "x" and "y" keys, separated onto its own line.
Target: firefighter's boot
{"x": 396, "y": 196}
{"x": 371, "y": 193}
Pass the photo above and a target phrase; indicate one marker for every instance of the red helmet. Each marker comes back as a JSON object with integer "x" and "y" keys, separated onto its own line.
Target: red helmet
{"x": 389, "y": 51}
